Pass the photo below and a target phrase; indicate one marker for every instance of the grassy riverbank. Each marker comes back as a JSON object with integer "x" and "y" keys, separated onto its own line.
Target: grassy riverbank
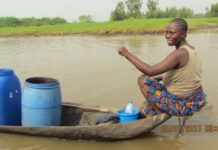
{"x": 131, "y": 26}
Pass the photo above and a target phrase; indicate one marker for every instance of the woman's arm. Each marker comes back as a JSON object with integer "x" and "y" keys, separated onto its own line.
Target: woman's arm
{"x": 172, "y": 61}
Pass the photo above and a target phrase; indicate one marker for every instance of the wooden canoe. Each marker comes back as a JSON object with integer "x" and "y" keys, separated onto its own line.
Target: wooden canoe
{"x": 78, "y": 123}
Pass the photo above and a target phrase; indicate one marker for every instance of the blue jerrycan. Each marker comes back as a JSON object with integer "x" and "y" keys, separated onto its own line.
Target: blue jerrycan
{"x": 10, "y": 98}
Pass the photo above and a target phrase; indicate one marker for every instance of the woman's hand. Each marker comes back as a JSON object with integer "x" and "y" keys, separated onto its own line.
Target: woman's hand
{"x": 158, "y": 77}
{"x": 123, "y": 51}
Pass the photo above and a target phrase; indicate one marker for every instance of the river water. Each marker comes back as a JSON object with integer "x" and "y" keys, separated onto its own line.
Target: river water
{"x": 91, "y": 72}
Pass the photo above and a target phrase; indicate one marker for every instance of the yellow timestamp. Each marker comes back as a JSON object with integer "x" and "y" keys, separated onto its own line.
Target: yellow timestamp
{"x": 192, "y": 128}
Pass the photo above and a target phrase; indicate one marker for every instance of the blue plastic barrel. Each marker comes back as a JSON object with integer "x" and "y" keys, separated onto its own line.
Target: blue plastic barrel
{"x": 41, "y": 102}
{"x": 10, "y": 98}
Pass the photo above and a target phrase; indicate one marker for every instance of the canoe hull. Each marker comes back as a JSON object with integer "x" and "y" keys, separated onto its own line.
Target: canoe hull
{"x": 89, "y": 131}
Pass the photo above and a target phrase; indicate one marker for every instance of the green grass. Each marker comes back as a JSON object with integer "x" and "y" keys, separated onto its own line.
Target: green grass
{"x": 130, "y": 26}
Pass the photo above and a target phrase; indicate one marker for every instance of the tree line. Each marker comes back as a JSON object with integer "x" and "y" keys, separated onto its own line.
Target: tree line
{"x": 14, "y": 22}
{"x": 133, "y": 9}
{"x": 123, "y": 10}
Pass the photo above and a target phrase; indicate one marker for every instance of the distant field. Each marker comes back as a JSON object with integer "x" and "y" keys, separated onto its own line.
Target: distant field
{"x": 130, "y": 26}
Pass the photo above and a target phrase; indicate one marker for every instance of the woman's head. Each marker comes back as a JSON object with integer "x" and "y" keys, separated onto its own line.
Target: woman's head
{"x": 176, "y": 31}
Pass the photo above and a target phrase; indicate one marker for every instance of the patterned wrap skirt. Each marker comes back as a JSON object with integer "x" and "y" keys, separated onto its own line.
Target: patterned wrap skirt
{"x": 169, "y": 103}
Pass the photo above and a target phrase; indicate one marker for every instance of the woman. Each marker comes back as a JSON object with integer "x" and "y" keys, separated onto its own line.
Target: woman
{"x": 181, "y": 93}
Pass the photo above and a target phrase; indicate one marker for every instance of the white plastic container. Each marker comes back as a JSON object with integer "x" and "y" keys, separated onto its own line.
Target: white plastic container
{"x": 129, "y": 108}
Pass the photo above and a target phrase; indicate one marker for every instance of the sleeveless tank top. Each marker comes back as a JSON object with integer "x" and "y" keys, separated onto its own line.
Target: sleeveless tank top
{"x": 185, "y": 80}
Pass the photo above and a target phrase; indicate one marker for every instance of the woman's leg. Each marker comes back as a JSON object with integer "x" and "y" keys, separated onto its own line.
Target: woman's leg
{"x": 148, "y": 98}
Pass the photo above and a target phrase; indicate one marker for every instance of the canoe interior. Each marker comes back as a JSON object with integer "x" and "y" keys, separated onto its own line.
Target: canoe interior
{"x": 79, "y": 115}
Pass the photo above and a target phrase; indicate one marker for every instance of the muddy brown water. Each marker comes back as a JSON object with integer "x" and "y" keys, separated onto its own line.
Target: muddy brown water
{"x": 91, "y": 72}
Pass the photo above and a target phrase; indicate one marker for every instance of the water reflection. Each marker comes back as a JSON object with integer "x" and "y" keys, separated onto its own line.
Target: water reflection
{"x": 148, "y": 141}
